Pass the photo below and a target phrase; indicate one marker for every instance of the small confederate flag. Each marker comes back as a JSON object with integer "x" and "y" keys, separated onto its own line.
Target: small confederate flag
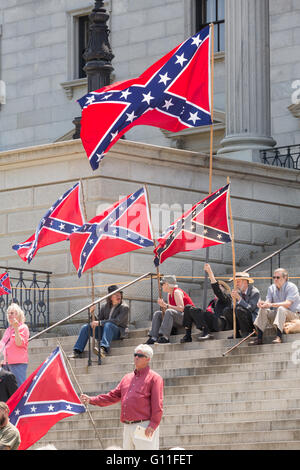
{"x": 123, "y": 227}
{"x": 202, "y": 226}
{"x": 62, "y": 219}
{"x": 5, "y": 287}
{"x": 172, "y": 94}
{"x": 46, "y": 397}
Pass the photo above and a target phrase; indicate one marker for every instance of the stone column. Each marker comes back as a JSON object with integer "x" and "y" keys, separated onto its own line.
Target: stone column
{"x": 247, "y": 57}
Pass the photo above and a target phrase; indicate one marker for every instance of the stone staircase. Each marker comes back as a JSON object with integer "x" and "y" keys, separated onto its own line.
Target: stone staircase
{"x": 249, "y": 399}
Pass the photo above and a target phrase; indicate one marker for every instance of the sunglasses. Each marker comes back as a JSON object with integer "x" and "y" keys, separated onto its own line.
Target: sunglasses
{"x": 139, "y": 355}
{"x": 276, "y": 277}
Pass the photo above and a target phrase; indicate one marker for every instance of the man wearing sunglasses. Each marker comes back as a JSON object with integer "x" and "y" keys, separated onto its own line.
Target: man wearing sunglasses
{"x": 281, "y": 305}
{"x": 141, "y": 396}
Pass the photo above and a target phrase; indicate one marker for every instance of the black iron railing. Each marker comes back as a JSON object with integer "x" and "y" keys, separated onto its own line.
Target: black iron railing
{"x": 271, "y": 258}
{"x": 30, "y": 290}
{"x": 285, "y": 157}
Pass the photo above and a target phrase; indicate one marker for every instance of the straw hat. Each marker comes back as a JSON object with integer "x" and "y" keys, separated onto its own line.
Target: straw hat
{"x": 243, "y": 275}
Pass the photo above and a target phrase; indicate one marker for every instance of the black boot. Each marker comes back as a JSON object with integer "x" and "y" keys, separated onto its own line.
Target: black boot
{"x": 187, "y": 337}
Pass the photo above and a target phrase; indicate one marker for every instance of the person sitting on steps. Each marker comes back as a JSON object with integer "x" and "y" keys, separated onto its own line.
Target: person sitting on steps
{"x": 111, "y": 324}
{"x": 212, "y": 319}
{"x": 282, "y": 304}
{"x": 246, "y": 309}
{"x": 162, "y": 323}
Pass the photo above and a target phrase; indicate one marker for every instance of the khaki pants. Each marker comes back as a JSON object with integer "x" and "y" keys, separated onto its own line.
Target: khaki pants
{"x": 132, "y": 443}
{"x": 278, "y": 317}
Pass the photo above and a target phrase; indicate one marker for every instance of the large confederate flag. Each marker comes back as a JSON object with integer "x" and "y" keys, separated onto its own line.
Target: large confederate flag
{"x": 46, "y": 397}
{"x": 123, "y": 227}
{"x": 173, "y": 94}
{"x": 204, "y": 225}
{"x": 63, "y": 218}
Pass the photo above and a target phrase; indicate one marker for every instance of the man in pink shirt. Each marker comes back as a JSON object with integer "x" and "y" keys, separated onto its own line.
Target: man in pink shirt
{"x": 141, "y": 396}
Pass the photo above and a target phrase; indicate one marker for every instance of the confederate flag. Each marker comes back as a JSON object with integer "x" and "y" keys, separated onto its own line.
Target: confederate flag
{"x": 5, "y": 287}
{"x": 46, "y": 397}
{"x": 62, "y": 219}
{"x": 204, "y": 225}
{"x": 173, "y": 94}
{"x": 123, "y": 227}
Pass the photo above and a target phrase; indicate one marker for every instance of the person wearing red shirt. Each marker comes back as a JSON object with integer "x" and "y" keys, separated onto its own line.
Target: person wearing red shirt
{"x": 174, "y": 307}
{"x": 141, "y": 396}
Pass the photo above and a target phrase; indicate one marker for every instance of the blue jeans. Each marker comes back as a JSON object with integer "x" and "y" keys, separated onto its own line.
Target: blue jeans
{"x": 19, "y": 371}
{"x": 108, "y": 332}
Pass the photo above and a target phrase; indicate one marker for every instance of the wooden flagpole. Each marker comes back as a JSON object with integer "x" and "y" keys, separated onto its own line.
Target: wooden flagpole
{"x": 80, "y": 390}
{"x": 233, "y": 260}
{"x": 92, "y": 309}
{"x": 211, "y": 107}
{"x": 154, "y": 241}
{"x": 211, "y": 148}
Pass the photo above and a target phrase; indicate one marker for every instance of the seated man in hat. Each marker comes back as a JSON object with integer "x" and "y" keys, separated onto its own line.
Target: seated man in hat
{"x": 111, "y": 324}
{"x": 246, "y": 309}
{"x": 162, "y": 323}
{"x": 282, "y": 304}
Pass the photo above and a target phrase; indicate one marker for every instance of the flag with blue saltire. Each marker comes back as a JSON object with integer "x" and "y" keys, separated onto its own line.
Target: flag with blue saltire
{"x": 125, "y": 226}
{"x": 172, "y": 94}
{"x": 46, "y": 397}
{"x": 204, "y": 225}
{"x": 63, "y": 218}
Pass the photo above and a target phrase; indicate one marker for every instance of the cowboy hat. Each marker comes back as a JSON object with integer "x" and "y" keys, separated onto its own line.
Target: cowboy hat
{"x": 243, "y": 275}
{"x": 112, "y": 288}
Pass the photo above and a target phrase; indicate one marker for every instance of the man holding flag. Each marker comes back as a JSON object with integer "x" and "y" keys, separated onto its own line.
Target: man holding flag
{"x": 171, "y": 312}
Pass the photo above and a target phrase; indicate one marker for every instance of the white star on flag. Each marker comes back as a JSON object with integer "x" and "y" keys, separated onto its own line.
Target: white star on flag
{"x": 168, "y": 103}
{"x": 194, "y": 117}
{"x": 164, "y": 78}
{"x": 180, "y": 59}
{"x": 148, "y": 97}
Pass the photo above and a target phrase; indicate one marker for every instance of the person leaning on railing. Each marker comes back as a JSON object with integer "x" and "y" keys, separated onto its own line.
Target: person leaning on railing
{"x": 282, "y": 304}
{"x": 14, "y": 343}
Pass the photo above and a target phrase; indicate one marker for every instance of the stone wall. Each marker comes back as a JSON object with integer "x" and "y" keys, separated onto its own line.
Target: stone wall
{"x": 265, "y": 206}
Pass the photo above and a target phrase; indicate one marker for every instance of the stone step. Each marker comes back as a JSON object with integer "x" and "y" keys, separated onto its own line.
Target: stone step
{"x": 205, "y": 430}
{"x": 228, "y": 438}
{"x": 236, "y": 406}
{"x": 193, "y": 441}
{"x": 271, "y": 446}
{"x": 189, "y": 360}
{"x": 266, "y": 385}
{"x": 194, "y": 367}
{"x": 274, "y": 419}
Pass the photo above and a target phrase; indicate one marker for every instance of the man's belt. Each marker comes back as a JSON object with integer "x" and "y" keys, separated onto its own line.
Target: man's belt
{"x": 135, "y": 422}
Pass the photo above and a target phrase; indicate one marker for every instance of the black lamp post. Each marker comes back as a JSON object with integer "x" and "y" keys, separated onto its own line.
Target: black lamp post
{"x": 98, "y": 54}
